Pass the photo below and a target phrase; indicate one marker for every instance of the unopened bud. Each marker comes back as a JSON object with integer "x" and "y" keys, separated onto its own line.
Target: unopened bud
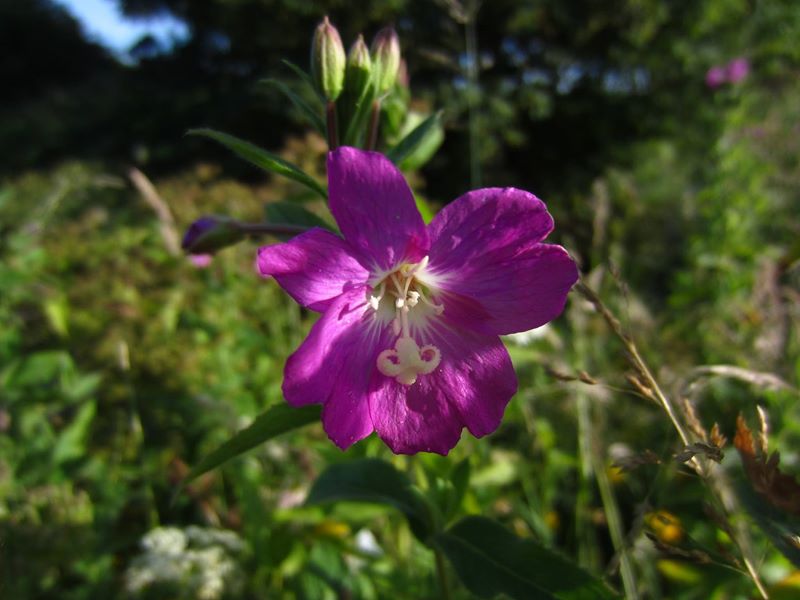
{"x": 359, "y": 67}
{"x": 327, "y": 60}
{"x": 386, "y": 58}
{"x": 402, "y": 74}
{"x": 209, "y": 234}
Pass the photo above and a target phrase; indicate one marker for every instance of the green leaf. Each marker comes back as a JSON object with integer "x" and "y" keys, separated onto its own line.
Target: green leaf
{"x": 303, "y": 106}
{"x": 304, "y": 77}
{"x": 376, "y": 481}
{"x": 289, "y": 213}
{"x": 490, "y": 560}
{"x": 71, "y": 442}
{"x": 261, "y": 158}
{"x": 424, "y": 209}
{"x": 275, "y": 421}
{"x": 424, "y": 133}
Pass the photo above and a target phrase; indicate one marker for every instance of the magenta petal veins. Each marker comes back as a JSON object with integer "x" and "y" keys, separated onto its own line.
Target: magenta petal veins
{"x": 408, "y": 344}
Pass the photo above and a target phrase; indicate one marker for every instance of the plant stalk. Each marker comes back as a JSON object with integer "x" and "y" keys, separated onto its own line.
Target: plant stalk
{"x": 270, "y": 229}
{"x": 372, "y": 127}
{"x": 441, "y": 574}
{"x": 471, "y": 43}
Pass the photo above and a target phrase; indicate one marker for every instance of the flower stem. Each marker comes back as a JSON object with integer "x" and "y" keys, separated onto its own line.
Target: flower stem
{"x": 332, "y": 125}
{"x": 269, "y": 229}
{"x": 441, "y": 574}
{"x": 372, "y": 127}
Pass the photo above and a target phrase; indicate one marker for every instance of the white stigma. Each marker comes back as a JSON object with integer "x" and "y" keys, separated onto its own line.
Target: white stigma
{"x": 407, "y": 360}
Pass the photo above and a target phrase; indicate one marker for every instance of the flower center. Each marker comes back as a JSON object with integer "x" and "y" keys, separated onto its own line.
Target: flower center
{"x": 407, "y": 360}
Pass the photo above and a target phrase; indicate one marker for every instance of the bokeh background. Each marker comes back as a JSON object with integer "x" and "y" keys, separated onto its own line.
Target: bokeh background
{"x": 665, "y": 139}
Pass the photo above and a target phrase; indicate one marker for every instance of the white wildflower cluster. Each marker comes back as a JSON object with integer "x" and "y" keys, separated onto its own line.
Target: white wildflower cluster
{"x": 198, "y": 562}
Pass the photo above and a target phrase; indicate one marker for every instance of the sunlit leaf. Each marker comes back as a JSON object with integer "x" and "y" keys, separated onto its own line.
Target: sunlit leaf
{"x": 71, "y": 441}
{"x": 427, "y": 131}
{"x": 424, "y": 208}
{"x": 262, "y": 159}
{"x": 490, "y": 560}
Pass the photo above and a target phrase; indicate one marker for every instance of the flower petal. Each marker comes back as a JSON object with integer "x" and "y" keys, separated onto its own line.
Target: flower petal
{"x": 486, "y": 247}
{"x": 334, "y": 364}
{"x": 313, "y": 267}
{"x": 374, "y": 207}
{"x": 472, "y": 386}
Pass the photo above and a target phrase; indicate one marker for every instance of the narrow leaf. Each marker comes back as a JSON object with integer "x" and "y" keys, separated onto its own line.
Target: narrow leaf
{"x": 303, "y": 106}
{"x": 305, "y": 77}
{"x": 376, "y": 481}
{"x": 416, "y": 137}
{"x": 490, "y": 560}
{"x": 275, "y": 421}
{"x": 261, "y": 158}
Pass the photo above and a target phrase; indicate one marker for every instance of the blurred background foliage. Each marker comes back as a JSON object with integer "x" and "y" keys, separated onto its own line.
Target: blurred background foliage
{"x": 122, "y": 363}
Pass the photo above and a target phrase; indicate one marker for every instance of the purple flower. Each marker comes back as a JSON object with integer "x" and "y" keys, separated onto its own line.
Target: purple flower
{"x": 738, "y": 69}
{"x": 407, "y": 344}
{"x": 715, "y": 77}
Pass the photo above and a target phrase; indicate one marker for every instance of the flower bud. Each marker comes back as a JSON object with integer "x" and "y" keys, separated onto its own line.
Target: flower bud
{"x": 402, "y": 74}
{"x": 359, "y": 68}
{"x": 386, "y": 58}
{"x": 209, "y": 234}
{"x": 327, "y": 60}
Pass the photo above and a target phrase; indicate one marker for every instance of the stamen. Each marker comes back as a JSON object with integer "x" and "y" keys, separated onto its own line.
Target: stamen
{"x": 375, "y": 301}
{"x": 437, "y": 308}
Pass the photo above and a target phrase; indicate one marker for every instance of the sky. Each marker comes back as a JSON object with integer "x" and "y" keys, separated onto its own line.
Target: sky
{"x": 103, "y": 22}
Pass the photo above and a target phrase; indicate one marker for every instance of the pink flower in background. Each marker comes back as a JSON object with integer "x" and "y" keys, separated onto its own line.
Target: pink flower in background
{"x": 735, "y": 71}
{"x": 738, "y": 70}
{"x": 201, "y": 261}
{"x": 407, "y": 344}
{"x": 715, "y": 77}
